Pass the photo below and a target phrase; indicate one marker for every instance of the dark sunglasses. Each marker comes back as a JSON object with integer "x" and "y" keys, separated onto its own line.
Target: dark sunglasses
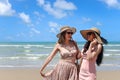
{"x": 89, "y": 33}
{"x": 69, "y": 33}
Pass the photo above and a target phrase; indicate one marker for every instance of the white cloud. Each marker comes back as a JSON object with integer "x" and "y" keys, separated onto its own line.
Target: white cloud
{"x": 57, "y": 13}
{"x": 38, "y": 17}
{"x": 53, "y": 30}
{"x": 54, "y": 27}
{"x": 25, "y": 17}
{"x": 63, "y": 4}
{"x": 53, "y": 24}
{"x": 6, "y": 8}
{"x": 21, "y": 34}
{"x": 27, "y": 20}
{"x": 98, "y": 24}
{"x": 112, "y": 3}
{"x": 35, "y": 31}
{"x": 85, "y": 19}
{"x": 38, "y": 14}
{"x": 60, "y": 9}
{"x": 41, "y": 2}
{"x": 9, "y": 38}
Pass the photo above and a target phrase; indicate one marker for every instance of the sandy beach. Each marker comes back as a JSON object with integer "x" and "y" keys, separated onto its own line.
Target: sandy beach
{"x": 20, "y": 74}
{"x": 33, "y": 74}
{"x": 108, "y": 75}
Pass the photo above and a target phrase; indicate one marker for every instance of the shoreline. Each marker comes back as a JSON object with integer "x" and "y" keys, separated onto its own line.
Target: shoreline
{"x": 33, "y": 74}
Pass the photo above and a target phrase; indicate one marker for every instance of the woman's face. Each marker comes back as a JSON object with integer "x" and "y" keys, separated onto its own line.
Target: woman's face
{"x": 90, "y": 36}
{"x": 68, "y": 35}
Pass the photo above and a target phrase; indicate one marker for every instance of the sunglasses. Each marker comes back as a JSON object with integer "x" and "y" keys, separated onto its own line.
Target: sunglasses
{"x": 69, "y": 33}
{"x": 89, "y": 33}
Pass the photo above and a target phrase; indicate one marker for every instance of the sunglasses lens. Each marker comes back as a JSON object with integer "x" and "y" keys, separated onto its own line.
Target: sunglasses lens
{"x": 89, "y": 33}
{"x": 69, "y": 32}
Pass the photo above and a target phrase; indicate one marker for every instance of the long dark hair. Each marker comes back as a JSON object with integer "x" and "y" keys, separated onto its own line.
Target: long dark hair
{"x": 99, "y": 57}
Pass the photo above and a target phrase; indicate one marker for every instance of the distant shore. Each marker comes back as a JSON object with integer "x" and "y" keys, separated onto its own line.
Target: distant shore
{"x": 33, "y": 74}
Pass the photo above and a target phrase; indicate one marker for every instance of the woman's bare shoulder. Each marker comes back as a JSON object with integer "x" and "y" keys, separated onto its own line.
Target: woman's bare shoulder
{"x": 57, "y": 45}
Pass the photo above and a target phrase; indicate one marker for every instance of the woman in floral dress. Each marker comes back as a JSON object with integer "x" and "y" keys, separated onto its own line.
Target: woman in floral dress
{"x": 66, "y": 68}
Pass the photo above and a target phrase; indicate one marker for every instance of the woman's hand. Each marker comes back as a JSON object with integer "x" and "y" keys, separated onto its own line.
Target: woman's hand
{"x": 43, "y": 75}
{"x": 94, "y": 42}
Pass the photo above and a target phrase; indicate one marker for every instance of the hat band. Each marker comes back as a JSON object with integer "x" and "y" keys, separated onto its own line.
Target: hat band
{"x": 97, "y": 33}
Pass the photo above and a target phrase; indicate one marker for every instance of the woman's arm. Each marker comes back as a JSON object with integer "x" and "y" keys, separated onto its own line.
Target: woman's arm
{"x": 93, "y": 53}
{"x": 78, "y": 51}
{"x": 49, "y": 58}
{"x": 79, "y": 54}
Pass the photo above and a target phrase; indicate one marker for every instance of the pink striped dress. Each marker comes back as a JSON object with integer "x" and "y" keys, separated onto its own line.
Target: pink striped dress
{"x": 66, "y": 68}
{"x": 88, "y": 68}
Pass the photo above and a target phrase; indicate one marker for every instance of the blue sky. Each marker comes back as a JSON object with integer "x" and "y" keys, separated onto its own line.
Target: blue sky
{"x": 40, "y": 20}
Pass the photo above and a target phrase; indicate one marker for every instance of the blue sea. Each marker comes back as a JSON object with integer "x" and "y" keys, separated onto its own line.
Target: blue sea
{"x": 33, "y": 55}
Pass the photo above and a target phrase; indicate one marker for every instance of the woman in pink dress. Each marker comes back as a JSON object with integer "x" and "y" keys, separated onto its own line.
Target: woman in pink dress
{"x": 92, "y": 53}
{"x": 66, "y": 68}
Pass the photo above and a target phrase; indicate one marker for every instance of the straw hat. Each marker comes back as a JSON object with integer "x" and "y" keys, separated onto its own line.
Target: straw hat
{"x": 95, "y": 31}
{"x": 64, "y": 28}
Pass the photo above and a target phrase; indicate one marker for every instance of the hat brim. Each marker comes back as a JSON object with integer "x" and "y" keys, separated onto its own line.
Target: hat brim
{"x": 84, "y": 35}
{"x": 72, "y": 29}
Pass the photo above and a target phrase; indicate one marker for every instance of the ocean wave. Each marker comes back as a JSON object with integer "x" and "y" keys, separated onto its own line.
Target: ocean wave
{"x": 27, "y": 56}
{"x": 113, "y": 50}
{"x": 115, "y": 65}
{"x": 39, "y": 55}
{"x": 20, "y": 58}
{"x": 28, "y": 46}
{"x": 25, "y": 46}
{"x": 7, "y": 66}
{"x": 48, "y": 47}
{"x": 112, "y": 45}
{"x": 11, "y": 58}
{"x": 107, "y": 55}
{"x": 18, "y": 66}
